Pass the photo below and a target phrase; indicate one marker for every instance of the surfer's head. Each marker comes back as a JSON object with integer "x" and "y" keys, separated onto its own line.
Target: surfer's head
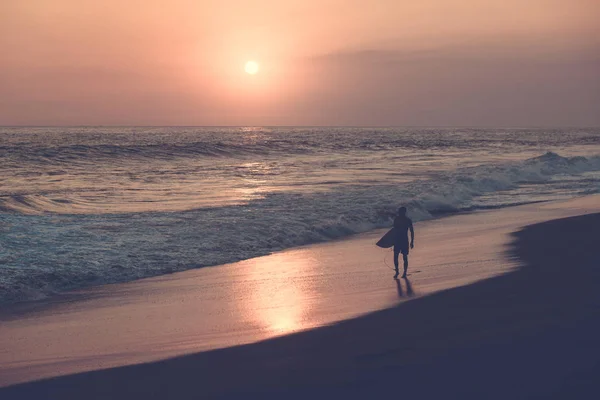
{"x": 402, "y": 211}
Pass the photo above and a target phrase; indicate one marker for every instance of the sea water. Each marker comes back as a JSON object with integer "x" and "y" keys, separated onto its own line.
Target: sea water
{"x": 94, "y": 205}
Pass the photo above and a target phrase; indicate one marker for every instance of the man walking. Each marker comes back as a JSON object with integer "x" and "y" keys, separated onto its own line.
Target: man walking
{"x": 402, "y": 224}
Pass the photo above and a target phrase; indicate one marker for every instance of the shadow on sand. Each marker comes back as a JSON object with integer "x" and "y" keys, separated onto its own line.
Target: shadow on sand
{"x": 532, "y": 333}
{"x": 409, "y": 289}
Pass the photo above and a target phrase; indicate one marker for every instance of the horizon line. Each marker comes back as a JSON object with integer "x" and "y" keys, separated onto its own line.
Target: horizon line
{"x": 316, "y": 126}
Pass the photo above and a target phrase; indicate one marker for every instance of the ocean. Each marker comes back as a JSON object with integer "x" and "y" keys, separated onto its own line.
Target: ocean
{"x": 94, "y": 205}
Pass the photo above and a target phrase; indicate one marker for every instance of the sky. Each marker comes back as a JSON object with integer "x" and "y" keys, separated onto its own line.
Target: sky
{"x": 326, "y": 62}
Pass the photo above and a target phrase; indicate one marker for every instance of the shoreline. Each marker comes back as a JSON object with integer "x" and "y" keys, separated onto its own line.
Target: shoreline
{"x": 11, "y": 308}
{"x": 16, "y": 309}
{"x": 361, "y": 289}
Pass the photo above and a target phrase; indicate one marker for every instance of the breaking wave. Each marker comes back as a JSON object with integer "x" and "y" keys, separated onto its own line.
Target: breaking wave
{"x": 46, "y": 253}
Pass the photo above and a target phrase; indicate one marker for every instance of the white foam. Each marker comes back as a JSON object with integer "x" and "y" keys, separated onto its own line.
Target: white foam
{"x": 44, "y": 254}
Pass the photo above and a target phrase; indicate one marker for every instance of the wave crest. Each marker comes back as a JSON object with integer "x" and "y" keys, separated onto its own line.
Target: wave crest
{"x": 48, "y": 252}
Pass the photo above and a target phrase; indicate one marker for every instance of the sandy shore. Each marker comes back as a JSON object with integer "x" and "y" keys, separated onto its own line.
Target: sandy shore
{"x": 530, "y": 330}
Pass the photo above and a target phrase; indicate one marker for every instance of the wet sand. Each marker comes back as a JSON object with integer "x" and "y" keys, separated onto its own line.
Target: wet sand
{"x": 530, "y": 330}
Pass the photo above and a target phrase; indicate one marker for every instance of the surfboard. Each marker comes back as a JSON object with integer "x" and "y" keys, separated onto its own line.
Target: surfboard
{"x": 387, "y": 240}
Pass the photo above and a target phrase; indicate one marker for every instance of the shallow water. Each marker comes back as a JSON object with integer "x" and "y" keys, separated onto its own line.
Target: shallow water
{"x": 86, "y": 206}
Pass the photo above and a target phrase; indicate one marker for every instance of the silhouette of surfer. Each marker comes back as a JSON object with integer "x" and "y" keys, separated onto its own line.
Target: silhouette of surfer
{"x": 402, "y": 224}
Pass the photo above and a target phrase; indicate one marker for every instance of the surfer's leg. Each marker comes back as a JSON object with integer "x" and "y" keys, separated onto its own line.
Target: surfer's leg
{"x": 405, "y": 257}
{"x": 396, "y": 253}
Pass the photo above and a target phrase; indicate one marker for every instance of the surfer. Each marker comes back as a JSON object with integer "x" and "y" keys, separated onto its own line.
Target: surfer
{"x": 401, "y": 226}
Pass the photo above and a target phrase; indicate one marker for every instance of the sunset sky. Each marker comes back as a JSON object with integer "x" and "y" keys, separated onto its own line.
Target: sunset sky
{"x": 326, "y": 62}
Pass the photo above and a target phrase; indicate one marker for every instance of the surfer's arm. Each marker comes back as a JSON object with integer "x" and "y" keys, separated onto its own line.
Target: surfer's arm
{"x": 412, "y": 236}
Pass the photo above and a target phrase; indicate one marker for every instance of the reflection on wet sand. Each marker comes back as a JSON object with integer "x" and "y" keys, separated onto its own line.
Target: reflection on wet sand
{"x": 280, "y": 292}
{"x": 292, "y": 291}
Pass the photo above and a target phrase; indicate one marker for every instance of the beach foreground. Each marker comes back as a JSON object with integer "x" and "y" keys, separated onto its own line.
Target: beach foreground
{"x": 524, "y": 332}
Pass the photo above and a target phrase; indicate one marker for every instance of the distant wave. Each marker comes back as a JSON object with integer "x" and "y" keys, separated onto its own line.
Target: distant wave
{"x": 447, "y": 192}
{"x": 90, "y": 145}
{"x": 74, "y": 153}
{"x": 49, "y": 252}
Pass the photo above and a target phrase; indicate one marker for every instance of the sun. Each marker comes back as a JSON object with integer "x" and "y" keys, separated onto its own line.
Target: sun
{"x": 251, "y": 67}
